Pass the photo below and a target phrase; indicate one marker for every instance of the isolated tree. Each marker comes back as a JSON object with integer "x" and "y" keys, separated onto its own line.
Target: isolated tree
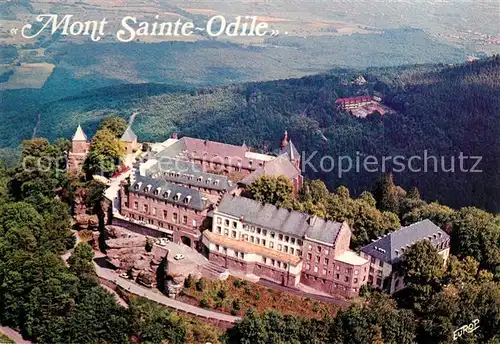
{"x": 386, "y": 194}
{"x": 41, "y": 169}
{"x": 376, "y": 319}
{"x": 64, "y": 145}
{"x": 421, "y": 264}
{"x": 116, "y": 125}
{"x": 422, "y": 268}
{"x": 80, "y": 261}
{"x": 314, "y": 191}
{"x": 251, "y": 330}
{"x": 154, "y": 323}
{"x": 459, "y": 272}
{"x": 271, "y": 189}
{"x": 97, "y": 319}
{"x": 368, "y": 198}
{"x": 476, "y": 233}
{"x": 440, "y": 215}
{"x": 413, "y": 193}
{"x": 105, "y": 153}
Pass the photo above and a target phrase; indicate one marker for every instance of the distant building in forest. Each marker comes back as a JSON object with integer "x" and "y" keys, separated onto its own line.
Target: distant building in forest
{"x": 353, "y": 102}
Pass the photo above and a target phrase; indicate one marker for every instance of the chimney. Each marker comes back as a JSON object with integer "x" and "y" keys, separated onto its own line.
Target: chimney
{"x": 174, "y": 135}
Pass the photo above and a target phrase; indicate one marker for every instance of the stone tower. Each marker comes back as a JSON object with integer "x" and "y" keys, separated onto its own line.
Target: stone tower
{"x": 79, "y": 150}
{"x": 289, "y": 148}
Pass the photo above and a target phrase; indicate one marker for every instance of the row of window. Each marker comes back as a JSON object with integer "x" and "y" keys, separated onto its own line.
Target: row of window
{"x": 265, "y": 260}
{"x": 337, "y": 275}
{"x": 275, "y": 263}
{"x": 175, "y": 216}
{"x": 217, "y": 166}
{"x": 256, "y": 240}
{"x": 156, "y": 200}
{"x": 223, "y": 249}
{"x": 317, "y": 259}
{"x": 380, "y": 263}
{"x": 191, "y": 177}
{"x": 260, "y": 231}
{"x": 152, "y": 222}
{"x": 319, "y": 249}
{"x": 226, "y": 158}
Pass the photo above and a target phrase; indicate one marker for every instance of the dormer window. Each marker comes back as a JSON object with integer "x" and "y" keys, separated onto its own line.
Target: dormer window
{"x": 200, "y": 179}
{"x": 147, "y": 188}
{"x": 167, "y": 194}
{"x": 216, "y": 182}
{"x": 261, "y": 164}
{"x": 138, "y": 186}
{"x": 177, "y": 196}
{"x": 157, "y": 191}
{"x": 250, "y": 162}
{"x": 187, "y": 199}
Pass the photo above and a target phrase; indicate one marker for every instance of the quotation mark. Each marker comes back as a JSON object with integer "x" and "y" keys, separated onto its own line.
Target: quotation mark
{"x": 13, "y": 31}
{"x": 274, "y": 33}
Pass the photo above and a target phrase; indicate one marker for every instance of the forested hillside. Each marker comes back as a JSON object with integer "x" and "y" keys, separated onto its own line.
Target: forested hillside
{"x": 443, "y": 110}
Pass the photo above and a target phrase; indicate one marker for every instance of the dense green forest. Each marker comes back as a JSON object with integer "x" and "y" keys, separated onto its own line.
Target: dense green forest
{"x": 441, "y": 110}
{"x": 50, "y": 302}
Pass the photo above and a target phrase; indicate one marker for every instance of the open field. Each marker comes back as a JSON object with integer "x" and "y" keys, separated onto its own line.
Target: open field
{"x": 28, "y": 75}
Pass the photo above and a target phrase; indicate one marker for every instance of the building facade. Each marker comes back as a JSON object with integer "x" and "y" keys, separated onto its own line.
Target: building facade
{"x": 353, "y": 102}
{"x": 388, "y": 250}
{"x": 172, "y": 209}
{"x": 285, "y": 246}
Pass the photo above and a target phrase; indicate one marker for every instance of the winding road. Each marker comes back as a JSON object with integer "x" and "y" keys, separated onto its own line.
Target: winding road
{"x": 150, "y": 294}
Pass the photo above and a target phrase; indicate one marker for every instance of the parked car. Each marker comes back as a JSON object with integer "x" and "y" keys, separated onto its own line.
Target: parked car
{"x": 124, "y": 275}
{"x": 179, "y": 256}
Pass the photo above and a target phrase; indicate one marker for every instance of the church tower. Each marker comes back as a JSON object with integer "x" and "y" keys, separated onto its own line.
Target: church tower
{"x": 79, "y": 150}
{"x": 284, "y": 141}
{"x": 80, "y": 143}
{"x": 287, "y": 147}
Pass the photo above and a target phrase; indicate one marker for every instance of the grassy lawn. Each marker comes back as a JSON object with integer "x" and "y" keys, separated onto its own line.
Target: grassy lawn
{"x": 236, "y": 296}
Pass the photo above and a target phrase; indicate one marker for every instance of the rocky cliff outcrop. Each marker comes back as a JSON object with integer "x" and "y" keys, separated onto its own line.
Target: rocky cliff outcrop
{"x": 127, "y": 252}
{"x": 85, "y": 221}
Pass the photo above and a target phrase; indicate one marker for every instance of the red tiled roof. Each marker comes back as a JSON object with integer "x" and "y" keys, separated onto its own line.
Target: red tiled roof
{"x": 357, "y": 99}
{"x": 213, "y": 148}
